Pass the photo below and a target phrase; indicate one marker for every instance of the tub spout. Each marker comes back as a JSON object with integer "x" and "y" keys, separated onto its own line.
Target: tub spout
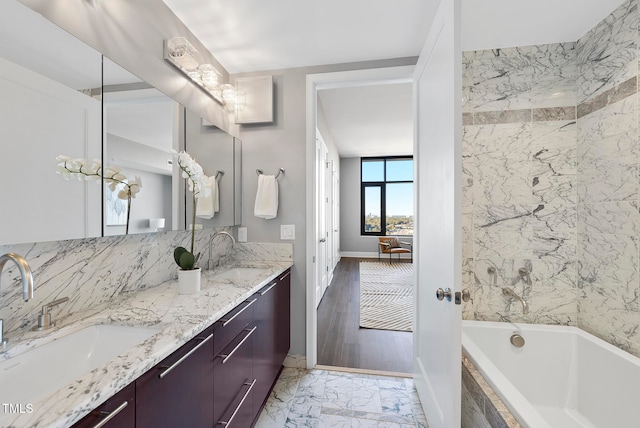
{"x": 510, "y": 293}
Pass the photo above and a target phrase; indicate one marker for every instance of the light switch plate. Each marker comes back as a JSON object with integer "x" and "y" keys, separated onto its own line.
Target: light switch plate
{"x": 288, "y": 232}
{"x": 242, "y": 234}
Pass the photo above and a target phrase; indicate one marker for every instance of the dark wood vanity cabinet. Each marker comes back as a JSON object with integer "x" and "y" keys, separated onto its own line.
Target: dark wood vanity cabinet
{"x": 247, "y": 366}
{"x": 117, "y": 412}
{"x": 178, "y": 392}
{"x": 220, "y": 378}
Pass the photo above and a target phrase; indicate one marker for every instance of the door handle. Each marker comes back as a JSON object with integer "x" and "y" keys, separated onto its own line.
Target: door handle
{"x": 323, "y": 240}
{"x": 460, "y": 297}
{"x": 443, "y": 294}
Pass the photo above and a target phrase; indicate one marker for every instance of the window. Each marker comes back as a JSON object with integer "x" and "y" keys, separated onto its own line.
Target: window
{"x": 387, "y": 196}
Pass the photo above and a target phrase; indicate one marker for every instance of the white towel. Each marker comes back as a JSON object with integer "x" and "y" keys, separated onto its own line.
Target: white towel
{"x": 208, "y": 203}
{"x": 266, "y": 197}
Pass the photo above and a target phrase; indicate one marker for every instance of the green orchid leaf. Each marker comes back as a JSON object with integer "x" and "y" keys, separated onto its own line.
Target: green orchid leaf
{"x": 187, "y": 261}
{"x": 177, "y": 253}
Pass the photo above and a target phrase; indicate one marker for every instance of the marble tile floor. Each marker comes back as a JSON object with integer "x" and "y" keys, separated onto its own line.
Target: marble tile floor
{"x": 322, "y": 399}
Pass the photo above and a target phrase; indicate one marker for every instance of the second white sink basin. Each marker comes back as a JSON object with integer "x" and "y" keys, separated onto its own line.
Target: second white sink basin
{"x": 45, "y": 369}
{"x": 241, "y": 273}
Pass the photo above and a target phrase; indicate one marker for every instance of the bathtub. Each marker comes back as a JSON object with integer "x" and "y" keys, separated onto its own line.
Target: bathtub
{"x": 562, "y": 377}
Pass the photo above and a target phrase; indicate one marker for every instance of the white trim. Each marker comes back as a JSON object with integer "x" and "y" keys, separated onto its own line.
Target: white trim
{"x": 360, "y": 254}
{"x": 315, "y": 82}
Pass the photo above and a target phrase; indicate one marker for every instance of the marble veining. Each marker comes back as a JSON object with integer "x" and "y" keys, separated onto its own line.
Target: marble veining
{"x": 180, "y": 318}
{"x": 92, "y": 272}
{"x": 321, "y": 398}
{"x": 519, "y": 78}
{"x": 608, "y": 54}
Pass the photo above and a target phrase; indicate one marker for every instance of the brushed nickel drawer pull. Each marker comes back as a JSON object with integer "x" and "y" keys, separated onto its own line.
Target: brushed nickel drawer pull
{"x": 246, "y": 394}
{"x": 226, "y": 357}
{"x": 262, "y": 293}
{"x": 285, "y": 275}
{"x": 187, "y": 355}
{"x": 225, "y": 322}
{"x": 110, "y": 415}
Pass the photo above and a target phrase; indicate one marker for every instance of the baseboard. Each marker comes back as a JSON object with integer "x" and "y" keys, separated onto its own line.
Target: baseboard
{"x": 359, "y": 254}
{"x": 363, "y": 371}
{"x": 371, "y": 255}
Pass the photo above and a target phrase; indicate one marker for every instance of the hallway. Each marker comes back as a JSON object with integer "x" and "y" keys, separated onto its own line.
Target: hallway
{"x": 341, "y": 341}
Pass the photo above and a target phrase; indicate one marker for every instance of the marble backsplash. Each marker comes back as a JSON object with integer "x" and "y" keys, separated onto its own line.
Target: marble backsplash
{"x": 96, "y": 271}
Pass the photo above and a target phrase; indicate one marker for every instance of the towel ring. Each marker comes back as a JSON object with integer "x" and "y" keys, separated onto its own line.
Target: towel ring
{"x": 219, "y": 174}
{"x": 280, "y": 171}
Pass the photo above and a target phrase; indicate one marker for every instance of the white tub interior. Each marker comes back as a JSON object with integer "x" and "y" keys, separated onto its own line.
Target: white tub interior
{"x": 562, "y": 377}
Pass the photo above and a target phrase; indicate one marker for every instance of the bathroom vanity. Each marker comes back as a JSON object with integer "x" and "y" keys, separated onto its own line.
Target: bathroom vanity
{"x": 213, "y": 361}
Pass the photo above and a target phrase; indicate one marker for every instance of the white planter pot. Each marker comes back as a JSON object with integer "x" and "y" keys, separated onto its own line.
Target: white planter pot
{"x": 189, "y": 281}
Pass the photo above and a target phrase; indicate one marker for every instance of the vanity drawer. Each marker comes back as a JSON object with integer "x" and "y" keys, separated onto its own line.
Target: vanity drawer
{"x": 234, "y": 382}
{"x": 231, "y": 324}
{"x": 117, "y": 412}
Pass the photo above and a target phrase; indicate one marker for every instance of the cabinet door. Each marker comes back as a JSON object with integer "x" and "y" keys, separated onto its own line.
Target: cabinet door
{"x": 117, "y": 412}
{"x": 178, "y": 392}
{"x": 234, "y": 382}
{"x": 272, "y": 314}
{"x": 283, "y": 318}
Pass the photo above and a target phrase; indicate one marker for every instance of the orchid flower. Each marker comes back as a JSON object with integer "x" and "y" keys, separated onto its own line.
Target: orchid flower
{"x": 83, "y": 170}
{"x": 195, "y": 176}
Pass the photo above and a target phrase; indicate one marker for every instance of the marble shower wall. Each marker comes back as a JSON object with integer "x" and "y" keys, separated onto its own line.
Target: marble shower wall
{"x": 519, "y": 175}
{"x": 551, "y": 181}
{"x": 608, "y": 183}
{"x": 94, "y": 272}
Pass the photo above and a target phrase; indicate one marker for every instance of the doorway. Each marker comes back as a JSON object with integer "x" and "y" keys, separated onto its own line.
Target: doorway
{"x": 314, "y": 199}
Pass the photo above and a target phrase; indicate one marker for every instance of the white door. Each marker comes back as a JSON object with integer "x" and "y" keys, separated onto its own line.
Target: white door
{"x": 438, "y": 246}
{"x": 321, "y": 226}
{"x": 335, "y": 207}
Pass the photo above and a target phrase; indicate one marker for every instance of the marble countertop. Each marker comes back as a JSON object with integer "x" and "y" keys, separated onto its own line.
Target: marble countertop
{"x": 179, "y": 318}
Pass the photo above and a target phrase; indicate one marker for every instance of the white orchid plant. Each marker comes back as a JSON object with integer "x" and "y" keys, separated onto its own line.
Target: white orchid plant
{"x": 84, "y": 170}
{"x": 195, "y": 176}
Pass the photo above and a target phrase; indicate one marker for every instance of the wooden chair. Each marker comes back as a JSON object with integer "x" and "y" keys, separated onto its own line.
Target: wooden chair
{"x": 391, "y": 245}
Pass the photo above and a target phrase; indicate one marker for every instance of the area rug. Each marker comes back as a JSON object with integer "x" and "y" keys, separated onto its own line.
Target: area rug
{"x": 386, "y": 295}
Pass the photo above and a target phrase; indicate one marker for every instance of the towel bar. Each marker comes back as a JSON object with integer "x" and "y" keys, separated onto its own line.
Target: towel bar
{"x": 280, "y": 171}
{"x": 219, "y": 174}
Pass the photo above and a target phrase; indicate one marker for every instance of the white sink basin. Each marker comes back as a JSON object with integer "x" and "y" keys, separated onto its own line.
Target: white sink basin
{"x": 241, "y": 273}
{"x": 34, "y": 374}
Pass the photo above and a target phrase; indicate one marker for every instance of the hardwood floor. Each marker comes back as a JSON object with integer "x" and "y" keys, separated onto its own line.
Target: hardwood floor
{"x": 341, "y": 341}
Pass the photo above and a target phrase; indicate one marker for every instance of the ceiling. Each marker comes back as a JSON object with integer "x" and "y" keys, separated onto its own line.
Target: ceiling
{"x": 248, "y": 35}
{"x": 379, "y": 116}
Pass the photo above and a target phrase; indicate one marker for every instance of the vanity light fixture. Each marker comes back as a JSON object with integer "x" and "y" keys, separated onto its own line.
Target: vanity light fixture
{"x": 228, "y": 93}
{"x": 183, "y": 56}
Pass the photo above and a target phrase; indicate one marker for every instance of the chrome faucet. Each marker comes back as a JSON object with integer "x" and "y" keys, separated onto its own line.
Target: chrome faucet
{"x": 25, "y": 273}
{"x": 510, "y": 293}
{"x": 27, "y": 283}
{"x": 224, "y": 233}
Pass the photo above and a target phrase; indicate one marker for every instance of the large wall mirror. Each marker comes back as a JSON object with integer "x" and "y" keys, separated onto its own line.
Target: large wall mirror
{"x": 46, "y": 109}
{"x": 55, "y": 102}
